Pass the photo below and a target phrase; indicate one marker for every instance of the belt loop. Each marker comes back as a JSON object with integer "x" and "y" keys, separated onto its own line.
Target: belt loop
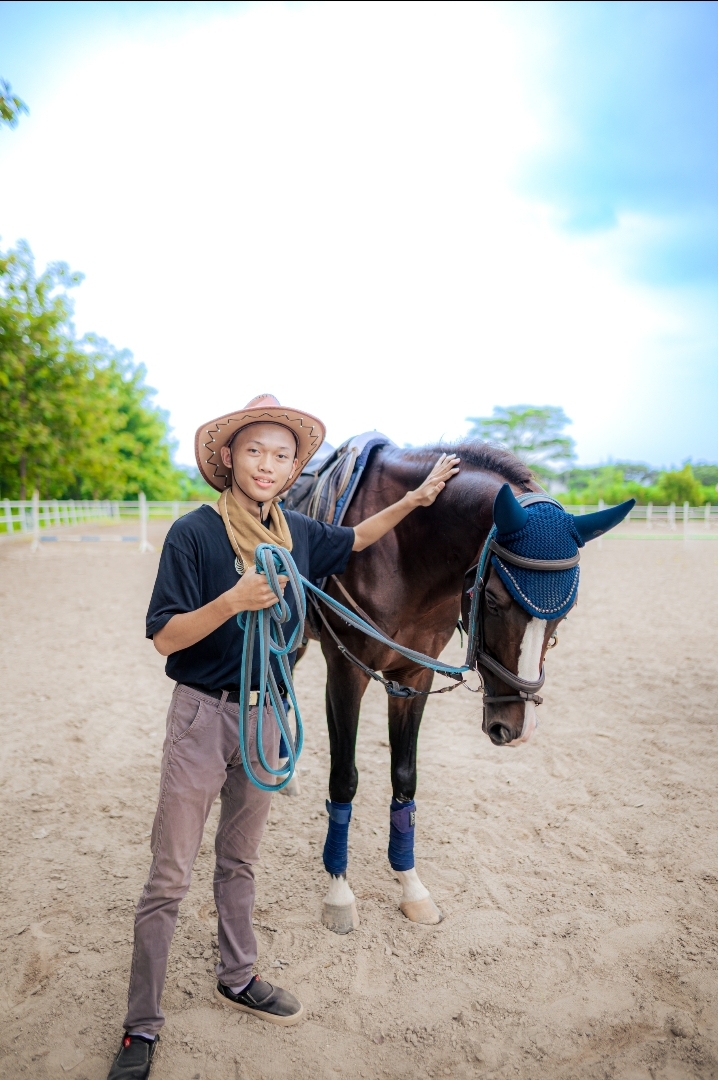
{"x": 223, "y": 699}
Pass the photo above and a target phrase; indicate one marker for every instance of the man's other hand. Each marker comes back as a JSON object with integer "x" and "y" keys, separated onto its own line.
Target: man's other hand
{"x": 253, "y": 592}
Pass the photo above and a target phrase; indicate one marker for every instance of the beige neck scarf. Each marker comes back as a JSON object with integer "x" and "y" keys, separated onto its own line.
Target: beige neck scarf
{"x": 245, "y": 531}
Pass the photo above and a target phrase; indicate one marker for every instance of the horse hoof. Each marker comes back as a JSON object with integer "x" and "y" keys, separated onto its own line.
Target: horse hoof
{"x": 341, "y": 918}
{"x": 292, "y": 788}
{"x": 421, "y": 911}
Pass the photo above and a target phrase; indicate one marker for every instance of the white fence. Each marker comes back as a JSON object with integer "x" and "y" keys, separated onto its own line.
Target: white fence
{"x": 17, "y": 518}
{"x": 667, "y": 517}
{"x": 35, "y": 518}
{"x": 32, "y": 517}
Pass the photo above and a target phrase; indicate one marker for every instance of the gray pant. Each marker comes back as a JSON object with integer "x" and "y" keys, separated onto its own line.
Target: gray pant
{"x": 201, "y": 760}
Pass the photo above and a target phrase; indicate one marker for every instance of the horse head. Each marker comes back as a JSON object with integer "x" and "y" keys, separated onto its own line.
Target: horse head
{"x": 526, "y": 583}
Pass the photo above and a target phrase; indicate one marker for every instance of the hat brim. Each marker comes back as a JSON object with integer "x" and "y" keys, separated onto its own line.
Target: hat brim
{"x": 212, "y": 436}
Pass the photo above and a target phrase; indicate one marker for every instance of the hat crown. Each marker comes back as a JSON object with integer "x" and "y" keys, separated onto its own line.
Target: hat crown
{"x": 267, "y": 400}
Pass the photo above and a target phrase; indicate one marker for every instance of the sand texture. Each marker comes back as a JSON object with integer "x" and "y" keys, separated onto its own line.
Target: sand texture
{"x": 578, "y": 875}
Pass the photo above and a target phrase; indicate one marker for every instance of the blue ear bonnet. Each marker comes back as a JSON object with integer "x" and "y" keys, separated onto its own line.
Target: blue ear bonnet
{"x": 549, "y": 533}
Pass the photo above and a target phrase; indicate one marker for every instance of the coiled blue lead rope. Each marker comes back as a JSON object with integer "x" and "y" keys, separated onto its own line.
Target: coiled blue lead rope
{"x": 274, "y": 561}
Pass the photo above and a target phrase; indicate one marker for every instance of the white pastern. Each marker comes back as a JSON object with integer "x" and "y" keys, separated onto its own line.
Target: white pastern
{"x": 530, "y": 669}
{"x": 339, "y": 895}
{"x": 411, "y": 885}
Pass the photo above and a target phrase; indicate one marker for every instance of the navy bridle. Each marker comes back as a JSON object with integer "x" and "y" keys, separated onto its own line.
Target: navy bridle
{"x": 476, "y": 654}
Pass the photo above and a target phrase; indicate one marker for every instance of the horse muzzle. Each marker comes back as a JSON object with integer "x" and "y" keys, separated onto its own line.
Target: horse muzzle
{"x": 506, "y": 728}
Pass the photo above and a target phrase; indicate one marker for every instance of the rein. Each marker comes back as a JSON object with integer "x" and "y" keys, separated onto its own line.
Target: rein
{"x": 273, "y": 561}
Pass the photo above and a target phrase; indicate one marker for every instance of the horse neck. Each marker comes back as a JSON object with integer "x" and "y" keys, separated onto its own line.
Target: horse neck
{"x": 448, "y": 535}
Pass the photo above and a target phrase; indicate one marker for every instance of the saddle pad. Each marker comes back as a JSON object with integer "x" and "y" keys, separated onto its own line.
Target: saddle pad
{"x": 360, "y": 464}
{"x": 325, "y": 492}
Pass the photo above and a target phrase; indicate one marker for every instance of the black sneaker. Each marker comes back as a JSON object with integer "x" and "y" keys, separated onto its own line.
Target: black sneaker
{"x": 134, "y": 1058}
{"x": 263, "y": 1000}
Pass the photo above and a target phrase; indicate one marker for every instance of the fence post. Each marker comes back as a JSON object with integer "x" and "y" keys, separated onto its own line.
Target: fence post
{"x": 144, "y": 542}
{"x": 175, "y": 511}
{"x": 35, "y": 520}
{"x": 649, "y": 513}
{"x": 672, "y": 516}
{"x": 686, "y": 514}
{"x": 707, "y": 515}
{"x": 9, "y": 527}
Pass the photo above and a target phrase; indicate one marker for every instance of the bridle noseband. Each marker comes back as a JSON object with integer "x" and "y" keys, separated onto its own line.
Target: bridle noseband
{"x": 524, "y": 689}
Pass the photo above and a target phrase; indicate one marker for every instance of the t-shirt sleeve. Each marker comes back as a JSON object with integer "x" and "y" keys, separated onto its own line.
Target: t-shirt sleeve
{"x": 176, "y": 588}
{"x": 329, "y": 548}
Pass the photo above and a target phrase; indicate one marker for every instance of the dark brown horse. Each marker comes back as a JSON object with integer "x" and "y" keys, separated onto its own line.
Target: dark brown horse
{"x": 411, "y": 583}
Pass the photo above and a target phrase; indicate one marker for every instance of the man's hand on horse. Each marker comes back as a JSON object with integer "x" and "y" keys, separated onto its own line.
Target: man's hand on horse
{"x": 446, "y": 467}
{"x": 373, "y": 528}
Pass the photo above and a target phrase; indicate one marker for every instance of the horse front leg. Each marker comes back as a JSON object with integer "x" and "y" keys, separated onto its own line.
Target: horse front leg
{"x": 404, "y": 721}
{"x": 345, "y": 689}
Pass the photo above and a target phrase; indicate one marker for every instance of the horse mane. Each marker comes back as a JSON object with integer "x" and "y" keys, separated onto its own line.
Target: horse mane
{"x": 480, "y": 454}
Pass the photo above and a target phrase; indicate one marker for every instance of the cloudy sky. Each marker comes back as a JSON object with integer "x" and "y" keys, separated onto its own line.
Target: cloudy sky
{"x": 395, "y": 215}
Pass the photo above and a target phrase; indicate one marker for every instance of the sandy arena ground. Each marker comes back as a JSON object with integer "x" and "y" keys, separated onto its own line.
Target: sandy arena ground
{"x": 578, "y": 875}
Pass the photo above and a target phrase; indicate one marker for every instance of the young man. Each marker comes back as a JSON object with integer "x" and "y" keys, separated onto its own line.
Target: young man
{"x": 205, "y": 578}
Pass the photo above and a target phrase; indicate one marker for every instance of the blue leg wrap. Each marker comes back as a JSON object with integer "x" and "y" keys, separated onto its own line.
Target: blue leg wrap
{"x": 336, "y": 846}
{"x": 402, "y": 816}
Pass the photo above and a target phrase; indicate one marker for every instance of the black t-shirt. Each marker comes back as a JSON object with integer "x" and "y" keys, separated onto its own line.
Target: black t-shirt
{"x": 197, "y": 566}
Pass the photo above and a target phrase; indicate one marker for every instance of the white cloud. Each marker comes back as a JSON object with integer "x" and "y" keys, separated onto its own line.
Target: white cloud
{"x": 318, "y": 202}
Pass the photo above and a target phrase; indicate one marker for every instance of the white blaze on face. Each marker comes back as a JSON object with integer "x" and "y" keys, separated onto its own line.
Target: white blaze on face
{"x": 530, "y": 669}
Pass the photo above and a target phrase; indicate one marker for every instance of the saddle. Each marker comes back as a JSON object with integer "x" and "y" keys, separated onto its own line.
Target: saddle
{"x": 324, "y": 490}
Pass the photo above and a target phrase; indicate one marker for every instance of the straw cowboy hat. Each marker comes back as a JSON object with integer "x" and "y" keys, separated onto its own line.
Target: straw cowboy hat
{"x": 212, "y": 436}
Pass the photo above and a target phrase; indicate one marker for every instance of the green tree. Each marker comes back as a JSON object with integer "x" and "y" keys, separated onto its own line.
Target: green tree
{"x": 706, "y": 474}
{"x": 608, "y": 482}
{"x": 627, "y": 480}
{"x": 533, "y": 433}
{"x": 10, "y": 105}
{"x": 76, "y": 416}
{"x": 678, "y": 487}
{"x": 41, "y": 373}
{"x": 194, "y": 487}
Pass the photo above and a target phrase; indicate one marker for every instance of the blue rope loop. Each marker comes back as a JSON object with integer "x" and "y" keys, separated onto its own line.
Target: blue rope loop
{"x": 273, "y": 561}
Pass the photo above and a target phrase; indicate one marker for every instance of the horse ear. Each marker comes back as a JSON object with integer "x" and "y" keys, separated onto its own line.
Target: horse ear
{"x": 590, "y": 526}
{"x": 509, "y": 514}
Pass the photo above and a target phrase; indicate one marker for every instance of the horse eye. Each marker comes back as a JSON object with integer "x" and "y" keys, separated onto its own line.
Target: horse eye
{"x": 491, "y": 604}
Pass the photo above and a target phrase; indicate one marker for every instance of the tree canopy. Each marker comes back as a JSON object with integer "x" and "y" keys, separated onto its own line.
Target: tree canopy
{"x": 77, "y": 419}
{"x": 615, "y": 483}
{"x": 533, "y": 433}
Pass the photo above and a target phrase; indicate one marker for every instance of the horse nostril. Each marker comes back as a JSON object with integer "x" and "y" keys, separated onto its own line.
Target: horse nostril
{"x": 499, "y": 734}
